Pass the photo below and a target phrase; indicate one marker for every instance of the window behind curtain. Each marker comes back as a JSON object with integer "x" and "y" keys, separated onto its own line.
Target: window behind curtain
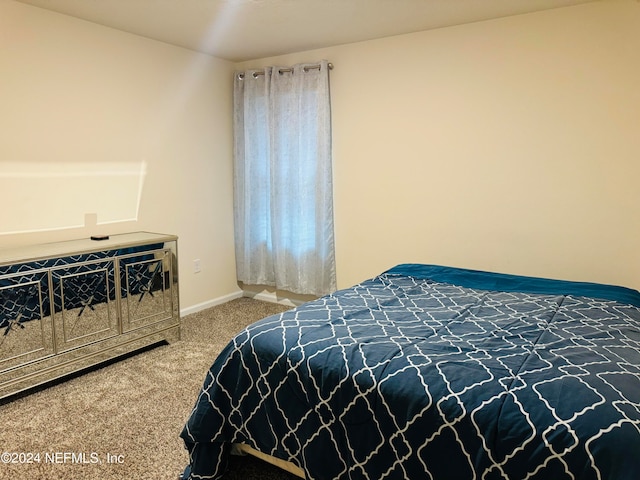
{"x": 283, "y": 180}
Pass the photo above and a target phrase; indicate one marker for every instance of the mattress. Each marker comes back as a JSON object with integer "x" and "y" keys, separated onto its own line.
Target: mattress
{"x": 433, "y": 372}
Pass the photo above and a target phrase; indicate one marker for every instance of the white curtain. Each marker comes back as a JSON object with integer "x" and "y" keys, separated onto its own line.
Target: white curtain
{"x": 283, "y": 182}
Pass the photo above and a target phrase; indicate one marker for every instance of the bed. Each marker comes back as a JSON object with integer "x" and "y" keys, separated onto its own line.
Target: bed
{"x": 432, "y": 372}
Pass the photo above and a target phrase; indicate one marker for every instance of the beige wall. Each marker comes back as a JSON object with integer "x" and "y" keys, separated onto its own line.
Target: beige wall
{"x": 509, "y": 145}
{"x": 77, "y": 97}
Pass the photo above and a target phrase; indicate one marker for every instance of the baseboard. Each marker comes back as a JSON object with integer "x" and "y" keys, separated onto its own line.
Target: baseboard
{"x": 211, "y": 303}
{"x": 265, "y": 296}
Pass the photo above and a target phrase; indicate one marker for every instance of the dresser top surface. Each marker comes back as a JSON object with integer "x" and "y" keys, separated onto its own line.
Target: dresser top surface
{"x": 57, "y": 249}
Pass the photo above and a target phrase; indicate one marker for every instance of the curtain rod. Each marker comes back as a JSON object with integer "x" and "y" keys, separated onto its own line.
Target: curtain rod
{"x": 287, "y": 70}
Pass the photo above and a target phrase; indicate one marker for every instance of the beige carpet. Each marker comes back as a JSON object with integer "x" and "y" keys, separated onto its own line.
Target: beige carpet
{"x": 123, "y": 421}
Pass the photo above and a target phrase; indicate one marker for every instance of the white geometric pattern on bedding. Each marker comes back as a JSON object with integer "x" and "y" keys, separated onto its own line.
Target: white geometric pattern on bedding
{"x": 402, "y": 377}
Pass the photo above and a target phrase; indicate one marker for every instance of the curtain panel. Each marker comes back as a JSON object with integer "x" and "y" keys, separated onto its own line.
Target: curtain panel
{"x": 283, "y": 206}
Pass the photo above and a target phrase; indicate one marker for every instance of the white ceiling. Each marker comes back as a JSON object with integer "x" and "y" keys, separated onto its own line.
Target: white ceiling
{"x": 239, "y": 30}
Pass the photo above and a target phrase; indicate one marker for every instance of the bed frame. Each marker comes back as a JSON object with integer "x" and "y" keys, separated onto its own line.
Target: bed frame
{"x": 244, "y": 449}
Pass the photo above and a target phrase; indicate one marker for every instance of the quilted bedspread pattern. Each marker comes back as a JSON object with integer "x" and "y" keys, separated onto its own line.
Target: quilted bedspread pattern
{"x": 407, "y": 377}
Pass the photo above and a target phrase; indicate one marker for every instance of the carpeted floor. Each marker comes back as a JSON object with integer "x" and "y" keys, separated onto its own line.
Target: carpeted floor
{"x": 123, "y": 421}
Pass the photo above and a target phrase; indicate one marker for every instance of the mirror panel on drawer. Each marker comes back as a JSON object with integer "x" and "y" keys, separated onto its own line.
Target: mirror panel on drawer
{"x": 25, "y": 323}
{"x": 85, "y": 303}
{"x": 146, "y": 288}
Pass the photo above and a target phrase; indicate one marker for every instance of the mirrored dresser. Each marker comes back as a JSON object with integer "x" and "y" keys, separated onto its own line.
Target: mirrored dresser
{"x": 67, "y": 306}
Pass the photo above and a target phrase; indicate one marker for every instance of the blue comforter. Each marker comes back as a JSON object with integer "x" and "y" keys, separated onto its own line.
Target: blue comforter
{"x": 429, "y": 372}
